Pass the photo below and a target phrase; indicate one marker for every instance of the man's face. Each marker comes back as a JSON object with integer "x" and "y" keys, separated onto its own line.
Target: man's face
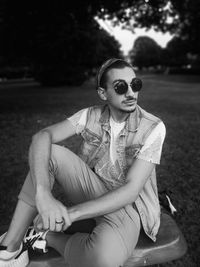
{"x": 126, "y": 102}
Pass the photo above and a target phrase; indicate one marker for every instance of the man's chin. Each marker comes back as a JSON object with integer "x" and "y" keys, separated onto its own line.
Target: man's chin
{"x": 128, "y": 110}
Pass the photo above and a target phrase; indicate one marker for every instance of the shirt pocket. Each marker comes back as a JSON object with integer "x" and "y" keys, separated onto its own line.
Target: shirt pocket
{"x": 91, "y": 142}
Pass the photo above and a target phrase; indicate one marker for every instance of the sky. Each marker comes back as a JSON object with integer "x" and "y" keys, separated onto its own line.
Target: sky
{"x": 126, "y": 38}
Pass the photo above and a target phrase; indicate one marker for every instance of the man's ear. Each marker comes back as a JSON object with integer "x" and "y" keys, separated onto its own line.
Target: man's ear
{"x": 102, "y": 93}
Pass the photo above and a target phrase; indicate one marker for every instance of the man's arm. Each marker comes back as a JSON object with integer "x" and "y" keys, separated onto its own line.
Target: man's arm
{"x": 40, "y": 150}
{"x": 48, "y": 207}
{"x": 116, "y": 199}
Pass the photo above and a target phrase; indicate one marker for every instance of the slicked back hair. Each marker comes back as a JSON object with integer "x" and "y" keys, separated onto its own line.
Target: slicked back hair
{"x": 108, "y": 65}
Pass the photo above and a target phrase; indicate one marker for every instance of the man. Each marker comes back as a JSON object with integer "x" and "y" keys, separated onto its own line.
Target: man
{"x": 112, "y": 179}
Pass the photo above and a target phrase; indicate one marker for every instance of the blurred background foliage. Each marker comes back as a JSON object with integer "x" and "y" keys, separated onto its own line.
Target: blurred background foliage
{"x": 61, "y": 42}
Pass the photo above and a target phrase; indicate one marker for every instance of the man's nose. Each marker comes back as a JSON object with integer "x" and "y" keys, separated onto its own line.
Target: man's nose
{"x": 130, "y": 92}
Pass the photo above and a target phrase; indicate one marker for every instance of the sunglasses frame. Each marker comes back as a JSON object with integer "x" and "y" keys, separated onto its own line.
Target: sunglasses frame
{"x": 136, "y": 86}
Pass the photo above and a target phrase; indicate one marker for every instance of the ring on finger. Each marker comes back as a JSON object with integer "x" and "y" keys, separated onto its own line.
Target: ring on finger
{"x": 61, "y": 222}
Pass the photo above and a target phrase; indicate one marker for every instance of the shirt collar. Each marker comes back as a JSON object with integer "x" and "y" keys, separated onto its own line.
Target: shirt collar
{"x": 132, "y": 122}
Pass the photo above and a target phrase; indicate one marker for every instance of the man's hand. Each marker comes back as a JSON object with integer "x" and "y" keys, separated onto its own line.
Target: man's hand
{"x": 51, "y": 211}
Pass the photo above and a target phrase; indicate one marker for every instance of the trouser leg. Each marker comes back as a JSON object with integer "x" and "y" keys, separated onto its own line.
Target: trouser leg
{"x": 115, "y": 236}
{"x": 21, "y": 220}
{"x": 78, "y": 181}
{"x": 109, "y": 245}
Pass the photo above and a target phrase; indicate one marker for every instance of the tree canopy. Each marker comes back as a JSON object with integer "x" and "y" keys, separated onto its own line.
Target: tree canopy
{"x": 179, "y": 17}
{"x": 145, "y": 53}
{"x": 65, "y": 33}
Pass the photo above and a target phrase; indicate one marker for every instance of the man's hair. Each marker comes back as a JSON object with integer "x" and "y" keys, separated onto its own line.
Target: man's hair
{"x": 113, "y": 63}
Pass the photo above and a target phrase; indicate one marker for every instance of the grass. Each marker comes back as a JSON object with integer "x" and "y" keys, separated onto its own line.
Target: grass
{"x": 26, "y": 108}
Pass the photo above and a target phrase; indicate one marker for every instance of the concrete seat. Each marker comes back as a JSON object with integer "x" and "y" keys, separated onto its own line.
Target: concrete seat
{"x": 170, "y": 245}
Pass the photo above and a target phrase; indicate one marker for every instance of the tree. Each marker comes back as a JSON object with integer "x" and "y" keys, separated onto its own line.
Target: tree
{"x": 145, "y": 53}
{"x": 31, "y": 28}
{"x": 175, "y": 54}
{"x": 181, "y": 18}
{"x": 61, "y": 43}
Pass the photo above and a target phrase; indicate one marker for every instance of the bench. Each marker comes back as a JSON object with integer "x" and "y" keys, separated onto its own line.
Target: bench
{"x": 170, "y": 245}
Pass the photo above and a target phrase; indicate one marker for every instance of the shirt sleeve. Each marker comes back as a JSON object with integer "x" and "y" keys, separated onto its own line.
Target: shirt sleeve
{"x": 78, "y": 120}
{"x": 152, "y": 149}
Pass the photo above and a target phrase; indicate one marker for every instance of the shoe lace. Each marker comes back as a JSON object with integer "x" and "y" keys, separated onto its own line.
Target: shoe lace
{"x": 29, "y": 242}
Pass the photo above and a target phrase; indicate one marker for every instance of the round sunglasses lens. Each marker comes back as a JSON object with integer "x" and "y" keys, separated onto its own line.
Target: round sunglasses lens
{"x": 121, "y": 88}
{"x": 136, "y": 84}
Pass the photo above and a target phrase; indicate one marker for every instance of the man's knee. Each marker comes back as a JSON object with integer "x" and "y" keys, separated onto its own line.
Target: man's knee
{"x": 59, "y": 155}
{"x": 57, "y": 151}
{"x": 62, "y": 155}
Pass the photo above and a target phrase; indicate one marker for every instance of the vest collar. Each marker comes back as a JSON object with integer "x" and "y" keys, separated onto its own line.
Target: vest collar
{"x": 130, "y": 126}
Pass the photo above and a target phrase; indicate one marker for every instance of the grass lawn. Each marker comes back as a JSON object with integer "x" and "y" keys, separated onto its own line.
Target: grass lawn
{"x": 26, "y": 107}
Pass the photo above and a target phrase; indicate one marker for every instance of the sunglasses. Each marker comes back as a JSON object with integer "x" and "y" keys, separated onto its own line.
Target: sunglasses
{"x": 121, "y": 87}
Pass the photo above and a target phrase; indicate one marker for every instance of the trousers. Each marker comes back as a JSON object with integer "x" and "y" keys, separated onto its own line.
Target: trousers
{"x": 115, "y": 235}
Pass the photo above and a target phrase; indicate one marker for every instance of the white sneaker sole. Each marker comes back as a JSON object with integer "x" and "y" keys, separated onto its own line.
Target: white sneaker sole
{"x": 21, "y": 261}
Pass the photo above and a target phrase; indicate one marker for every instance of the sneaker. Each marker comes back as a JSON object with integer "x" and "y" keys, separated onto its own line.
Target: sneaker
{"x": 36, "y": 240}
{"x": 18, "y": 258}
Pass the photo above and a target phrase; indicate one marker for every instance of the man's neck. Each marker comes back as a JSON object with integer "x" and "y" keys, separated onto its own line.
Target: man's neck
{"x": 119, "y": 115}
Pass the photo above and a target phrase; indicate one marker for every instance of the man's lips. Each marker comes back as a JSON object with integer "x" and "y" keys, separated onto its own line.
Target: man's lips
{"x": 129, "y": 102}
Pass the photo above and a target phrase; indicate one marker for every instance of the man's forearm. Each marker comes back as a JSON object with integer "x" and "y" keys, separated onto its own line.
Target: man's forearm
{"x": 39, "y": 155}
{"x": 107, "y": 203}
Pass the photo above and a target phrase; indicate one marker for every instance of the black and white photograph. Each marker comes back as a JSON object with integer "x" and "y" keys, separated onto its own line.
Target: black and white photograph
{"x": 99, "y": 133}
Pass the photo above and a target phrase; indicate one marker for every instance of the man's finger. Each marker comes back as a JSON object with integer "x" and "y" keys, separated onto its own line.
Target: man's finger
{"x": 39, "y": 226}
{"x": 45, "y": 222}
{"x": 67, "y": 221}
{"x": 52, "y": 222}
{"x": 35, "y": 221}
{"x": 59, "y": 223}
